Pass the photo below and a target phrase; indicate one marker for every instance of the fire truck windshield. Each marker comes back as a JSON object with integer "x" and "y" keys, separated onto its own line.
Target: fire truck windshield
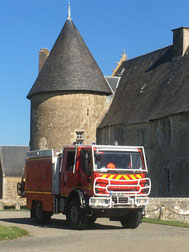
{"x": 118, "y": 160}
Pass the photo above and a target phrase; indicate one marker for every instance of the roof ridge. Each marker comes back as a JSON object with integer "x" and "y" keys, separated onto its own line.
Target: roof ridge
{"x": 145, "y": 54}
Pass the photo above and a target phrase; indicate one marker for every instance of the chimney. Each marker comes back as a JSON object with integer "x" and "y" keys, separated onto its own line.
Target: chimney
{"x": 43, "y": 55}
{"x": 180, "y": 41}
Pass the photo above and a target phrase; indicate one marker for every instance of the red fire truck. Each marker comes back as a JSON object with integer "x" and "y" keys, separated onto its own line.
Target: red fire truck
{"x": 86, "y": 182}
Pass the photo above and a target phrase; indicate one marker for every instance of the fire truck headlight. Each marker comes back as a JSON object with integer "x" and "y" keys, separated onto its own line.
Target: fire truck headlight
{"x": 146, "y": 188}
{"x": 142, "y": 202}
{"x": 100, "y": 202}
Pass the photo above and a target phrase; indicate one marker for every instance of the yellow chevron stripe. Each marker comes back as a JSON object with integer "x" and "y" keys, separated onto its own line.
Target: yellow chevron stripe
{"x": 125, "y": 176}
{"x": 111, "y": 176}
{"x": 139, "y": 176}
{"x": 104, "y": 176}
{"x": 132, "y": 176}
{"x": 118, "y": 177}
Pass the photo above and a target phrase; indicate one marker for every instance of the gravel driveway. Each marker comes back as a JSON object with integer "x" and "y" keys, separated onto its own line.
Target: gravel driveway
{"x": 103, "y": 236}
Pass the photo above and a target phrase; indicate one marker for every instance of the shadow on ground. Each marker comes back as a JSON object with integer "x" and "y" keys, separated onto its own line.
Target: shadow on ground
{"x": 58, "y": 223}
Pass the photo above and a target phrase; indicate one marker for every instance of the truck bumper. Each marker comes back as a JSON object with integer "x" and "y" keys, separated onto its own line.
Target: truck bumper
{"x": 116, "y": 201}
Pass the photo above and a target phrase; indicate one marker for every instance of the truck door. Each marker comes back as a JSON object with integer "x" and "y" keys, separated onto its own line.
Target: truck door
{"x": 68, "y": 171}
{"x": 84, "y": 170}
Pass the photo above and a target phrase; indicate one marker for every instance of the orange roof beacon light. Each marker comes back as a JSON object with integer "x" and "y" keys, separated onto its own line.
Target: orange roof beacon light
{"x": 111, "y": 166}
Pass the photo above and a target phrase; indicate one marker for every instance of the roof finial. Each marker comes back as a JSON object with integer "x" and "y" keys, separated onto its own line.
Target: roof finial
{"x": 123, "y": 58}
{"x": 69, "y": 11}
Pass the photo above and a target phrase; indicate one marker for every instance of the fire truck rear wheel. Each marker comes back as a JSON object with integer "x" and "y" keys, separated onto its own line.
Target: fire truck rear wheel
{"x": 41, "y": 217}
{"x": 132, "y": 219}
{"x": 76, "y": 216}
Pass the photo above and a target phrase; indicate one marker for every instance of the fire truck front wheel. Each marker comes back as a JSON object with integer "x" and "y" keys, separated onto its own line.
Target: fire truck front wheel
{"x": 41, "y": 217}
{"x": 132, "y": 219}
{"x": 76, "y": 217}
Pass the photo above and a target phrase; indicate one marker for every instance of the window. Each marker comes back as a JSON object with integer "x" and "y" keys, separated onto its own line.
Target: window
{"x": 119, "y": 134}
{"x": 70, "y": 160}
{"x": 79, "y": 137}
{"x": 165, "y": 132}
{"x": 87, "y": 154}
{"x": 118, "y": 160}
{"x": 168, "y": 181}
{"x": 142, "y": 137}
{"x": 122, "y": 71}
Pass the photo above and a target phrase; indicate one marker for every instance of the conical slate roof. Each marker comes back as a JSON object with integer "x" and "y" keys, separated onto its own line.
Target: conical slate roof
{"x": 70, "y": 67}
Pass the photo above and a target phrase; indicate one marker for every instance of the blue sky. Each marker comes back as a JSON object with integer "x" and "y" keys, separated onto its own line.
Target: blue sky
{"x": 107, "y": 26}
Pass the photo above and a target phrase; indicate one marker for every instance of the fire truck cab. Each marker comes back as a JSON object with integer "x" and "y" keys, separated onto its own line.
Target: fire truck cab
{"x": 86, "y": 182}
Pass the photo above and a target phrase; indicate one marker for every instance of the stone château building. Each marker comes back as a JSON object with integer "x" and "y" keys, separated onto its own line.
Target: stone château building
{"x": 151, "y": 108}
{"x": 70, "y": 98}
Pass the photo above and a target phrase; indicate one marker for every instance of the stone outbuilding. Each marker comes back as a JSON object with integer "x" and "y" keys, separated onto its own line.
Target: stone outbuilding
{"x": 151, "y": 108}
{"x": 69, "y": 96}
{"x": 12, "y": 161}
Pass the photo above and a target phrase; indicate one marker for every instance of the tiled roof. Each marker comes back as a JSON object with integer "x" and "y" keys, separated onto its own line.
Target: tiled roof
{"x": 12, "y": 160}
{"x": 70, "y": 67}
{"x": 152, "y": 86}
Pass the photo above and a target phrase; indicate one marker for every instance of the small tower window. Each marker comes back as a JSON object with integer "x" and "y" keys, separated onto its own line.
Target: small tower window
{"x": 80, "y": 137}
{"x": 87, "y": 111}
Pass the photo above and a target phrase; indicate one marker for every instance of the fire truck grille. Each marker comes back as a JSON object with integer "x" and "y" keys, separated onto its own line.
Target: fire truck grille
{"x": 119, "y": 200}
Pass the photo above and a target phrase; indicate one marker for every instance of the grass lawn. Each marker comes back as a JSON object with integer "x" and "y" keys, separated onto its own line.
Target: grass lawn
{"x": 9, "y": 233}
{"x": 170, "y": 223}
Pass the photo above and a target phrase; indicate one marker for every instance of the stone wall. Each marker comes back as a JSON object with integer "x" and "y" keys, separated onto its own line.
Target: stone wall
{"x": 10, "y": 196}
{"x": 55, "y": 118}
{"x": 166, "y": 143}
{"x": 173, "y": 209}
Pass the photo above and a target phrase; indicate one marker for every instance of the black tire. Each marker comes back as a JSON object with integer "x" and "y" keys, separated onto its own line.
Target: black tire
{"x": 132, "y": 219}
{"x": 92, "y": 219}
{"x": 20, "y": 188}
{"x": 76, "y": 217}
{"x": 40, "y": 216}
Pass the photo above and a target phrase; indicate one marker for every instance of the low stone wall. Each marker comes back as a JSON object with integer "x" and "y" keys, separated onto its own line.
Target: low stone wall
{"x": 176, "y": 209}
{"x": 10, "y": 196}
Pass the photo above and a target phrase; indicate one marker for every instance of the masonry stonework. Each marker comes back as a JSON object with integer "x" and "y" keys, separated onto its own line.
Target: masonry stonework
{"x": 166, "y": 146}
{"x": 10, "y": 196}
{"x": 171, "y": 209}
{"x": 56, "y": 117}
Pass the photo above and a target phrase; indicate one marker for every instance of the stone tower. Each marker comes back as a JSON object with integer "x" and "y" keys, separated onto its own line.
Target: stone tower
{"x": 68, "y": 98}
